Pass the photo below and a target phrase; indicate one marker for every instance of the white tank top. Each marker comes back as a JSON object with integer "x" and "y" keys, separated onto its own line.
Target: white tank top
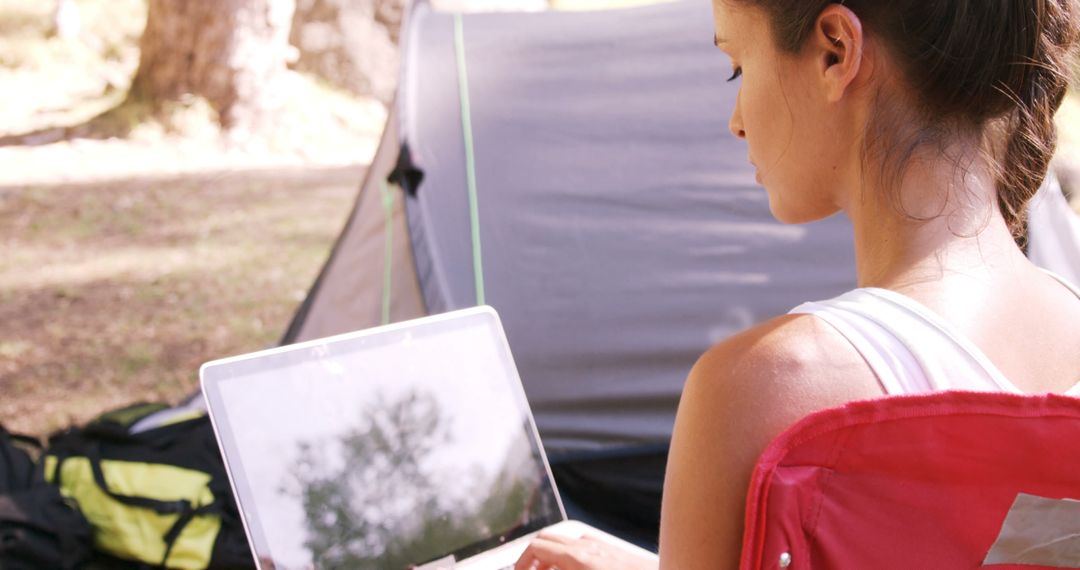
{"x": 910, "y": 348}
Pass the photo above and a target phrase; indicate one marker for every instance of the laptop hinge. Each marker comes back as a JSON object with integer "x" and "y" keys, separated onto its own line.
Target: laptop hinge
{"x": 446, "y": 563}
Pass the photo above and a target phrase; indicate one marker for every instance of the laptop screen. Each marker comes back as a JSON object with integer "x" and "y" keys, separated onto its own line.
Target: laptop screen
{"x": 384, "y": 448}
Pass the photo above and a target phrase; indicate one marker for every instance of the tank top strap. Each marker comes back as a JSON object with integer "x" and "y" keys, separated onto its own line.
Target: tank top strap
{"x": 896, "y": 369}
{"x": 1075, "y": 290}
{"x": 909, "y": 348}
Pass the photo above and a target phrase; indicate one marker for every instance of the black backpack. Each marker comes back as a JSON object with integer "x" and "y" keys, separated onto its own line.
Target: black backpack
{"x": 39, "y": 528}
{"x": 158, "y": 497}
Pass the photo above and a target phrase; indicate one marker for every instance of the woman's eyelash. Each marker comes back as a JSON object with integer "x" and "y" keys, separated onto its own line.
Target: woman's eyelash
{"x": 735, "y": 74}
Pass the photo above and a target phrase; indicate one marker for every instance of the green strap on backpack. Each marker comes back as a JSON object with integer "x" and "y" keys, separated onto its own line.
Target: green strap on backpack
{"x": 160, "y": 496}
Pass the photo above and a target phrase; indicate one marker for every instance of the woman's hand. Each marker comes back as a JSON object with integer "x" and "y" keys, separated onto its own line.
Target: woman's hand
{"x": 552, "y": 551}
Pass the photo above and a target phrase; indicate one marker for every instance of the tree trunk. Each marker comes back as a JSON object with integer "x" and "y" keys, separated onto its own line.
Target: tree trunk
{"x": 350, "y": 43}
{"x": 233, "y": 53}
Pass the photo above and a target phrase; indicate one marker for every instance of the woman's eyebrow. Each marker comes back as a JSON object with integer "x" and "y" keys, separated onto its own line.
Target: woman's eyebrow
{"x": 717, "y": 40}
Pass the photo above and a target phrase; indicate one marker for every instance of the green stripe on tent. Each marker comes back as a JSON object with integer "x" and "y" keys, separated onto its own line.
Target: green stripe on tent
{"x": 470, "y": 160}
{"x": 388, "y": 233}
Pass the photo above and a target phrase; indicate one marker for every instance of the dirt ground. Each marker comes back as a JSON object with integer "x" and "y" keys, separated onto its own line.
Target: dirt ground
{"x": 127, "y": 263}
{"x": 115, "y": 292}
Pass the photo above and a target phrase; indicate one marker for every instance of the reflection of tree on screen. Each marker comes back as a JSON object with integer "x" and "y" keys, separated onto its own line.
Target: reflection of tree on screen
{"x": 380, "y": 505}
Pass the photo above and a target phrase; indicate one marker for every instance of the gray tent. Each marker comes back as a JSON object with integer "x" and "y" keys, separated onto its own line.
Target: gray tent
{"x": 618, "y": 229}
{"x": 621, "y": 231}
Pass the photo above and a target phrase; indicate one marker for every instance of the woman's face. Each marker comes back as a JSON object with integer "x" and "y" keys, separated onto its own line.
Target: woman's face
{"x": 780, "y": 112}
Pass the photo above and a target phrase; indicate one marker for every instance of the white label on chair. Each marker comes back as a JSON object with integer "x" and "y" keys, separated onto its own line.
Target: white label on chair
{"x": 1039, "y": 531}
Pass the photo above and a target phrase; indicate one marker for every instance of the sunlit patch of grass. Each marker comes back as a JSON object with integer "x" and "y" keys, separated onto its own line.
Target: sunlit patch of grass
{"x": 134, "y": 262}
{"x": 13, "y": 349}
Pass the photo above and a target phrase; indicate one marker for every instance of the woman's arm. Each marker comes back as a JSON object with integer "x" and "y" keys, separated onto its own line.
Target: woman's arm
{"x": 739, "y": 396}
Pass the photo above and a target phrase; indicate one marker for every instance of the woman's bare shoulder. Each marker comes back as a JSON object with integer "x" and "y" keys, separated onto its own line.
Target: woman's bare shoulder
{"x": 746, "y": 390}
{"x": 788, "y": 366}
{"x": 740, "y": 395}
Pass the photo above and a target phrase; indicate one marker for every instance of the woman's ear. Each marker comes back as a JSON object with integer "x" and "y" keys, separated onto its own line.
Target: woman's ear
{"x": 838, "y": 46}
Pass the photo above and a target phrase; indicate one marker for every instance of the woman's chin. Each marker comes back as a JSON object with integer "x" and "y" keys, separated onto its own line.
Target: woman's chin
{"x": 785, "y": 218}
{"x": 787, "y": 213}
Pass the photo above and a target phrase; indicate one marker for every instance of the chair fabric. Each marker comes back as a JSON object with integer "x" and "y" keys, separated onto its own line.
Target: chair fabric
{"x": 923, "y": 481}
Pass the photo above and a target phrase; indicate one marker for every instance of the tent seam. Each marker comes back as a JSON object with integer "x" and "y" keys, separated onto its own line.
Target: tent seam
{"x": 470, "y": 158}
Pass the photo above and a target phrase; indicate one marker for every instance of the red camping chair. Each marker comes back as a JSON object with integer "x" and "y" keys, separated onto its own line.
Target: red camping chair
{"x": 946, "y": 480}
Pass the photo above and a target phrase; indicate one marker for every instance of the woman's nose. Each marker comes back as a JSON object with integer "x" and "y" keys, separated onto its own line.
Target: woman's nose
{"x": 735, "y": 124}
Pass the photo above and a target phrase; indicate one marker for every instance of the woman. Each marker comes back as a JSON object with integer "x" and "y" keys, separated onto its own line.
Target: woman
{"x": 930, "y": 124}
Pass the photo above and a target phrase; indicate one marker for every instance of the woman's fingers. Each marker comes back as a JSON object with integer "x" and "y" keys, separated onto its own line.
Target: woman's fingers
{"x": 553, "y": 551}
{"x": 590, "y": 552}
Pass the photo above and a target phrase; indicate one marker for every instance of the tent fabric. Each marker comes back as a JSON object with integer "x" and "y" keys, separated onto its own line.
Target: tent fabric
{"x": 621, "y": 228}
{"x": 1054, "y": 233}
{"x": 920, "y": 482}
{"x": 348, "y": 293}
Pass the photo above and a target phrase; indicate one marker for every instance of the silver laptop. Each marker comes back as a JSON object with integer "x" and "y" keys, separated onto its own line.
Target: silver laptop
{"x": 409, "y": 445}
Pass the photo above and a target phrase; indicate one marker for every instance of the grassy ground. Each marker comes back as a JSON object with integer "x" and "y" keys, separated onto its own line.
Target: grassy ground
{"x": 117, "y": 292}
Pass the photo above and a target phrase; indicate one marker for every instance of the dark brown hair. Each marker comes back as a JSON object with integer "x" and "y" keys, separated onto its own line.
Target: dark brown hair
{"x": 973, "y": 65}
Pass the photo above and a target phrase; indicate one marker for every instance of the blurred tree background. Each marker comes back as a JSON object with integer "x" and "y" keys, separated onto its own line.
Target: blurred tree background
{"x": 232, "y": 53}
{"x": 353, "y": 45}
{"x": 139, "y": 70}
{"x": 172, "y": 175}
